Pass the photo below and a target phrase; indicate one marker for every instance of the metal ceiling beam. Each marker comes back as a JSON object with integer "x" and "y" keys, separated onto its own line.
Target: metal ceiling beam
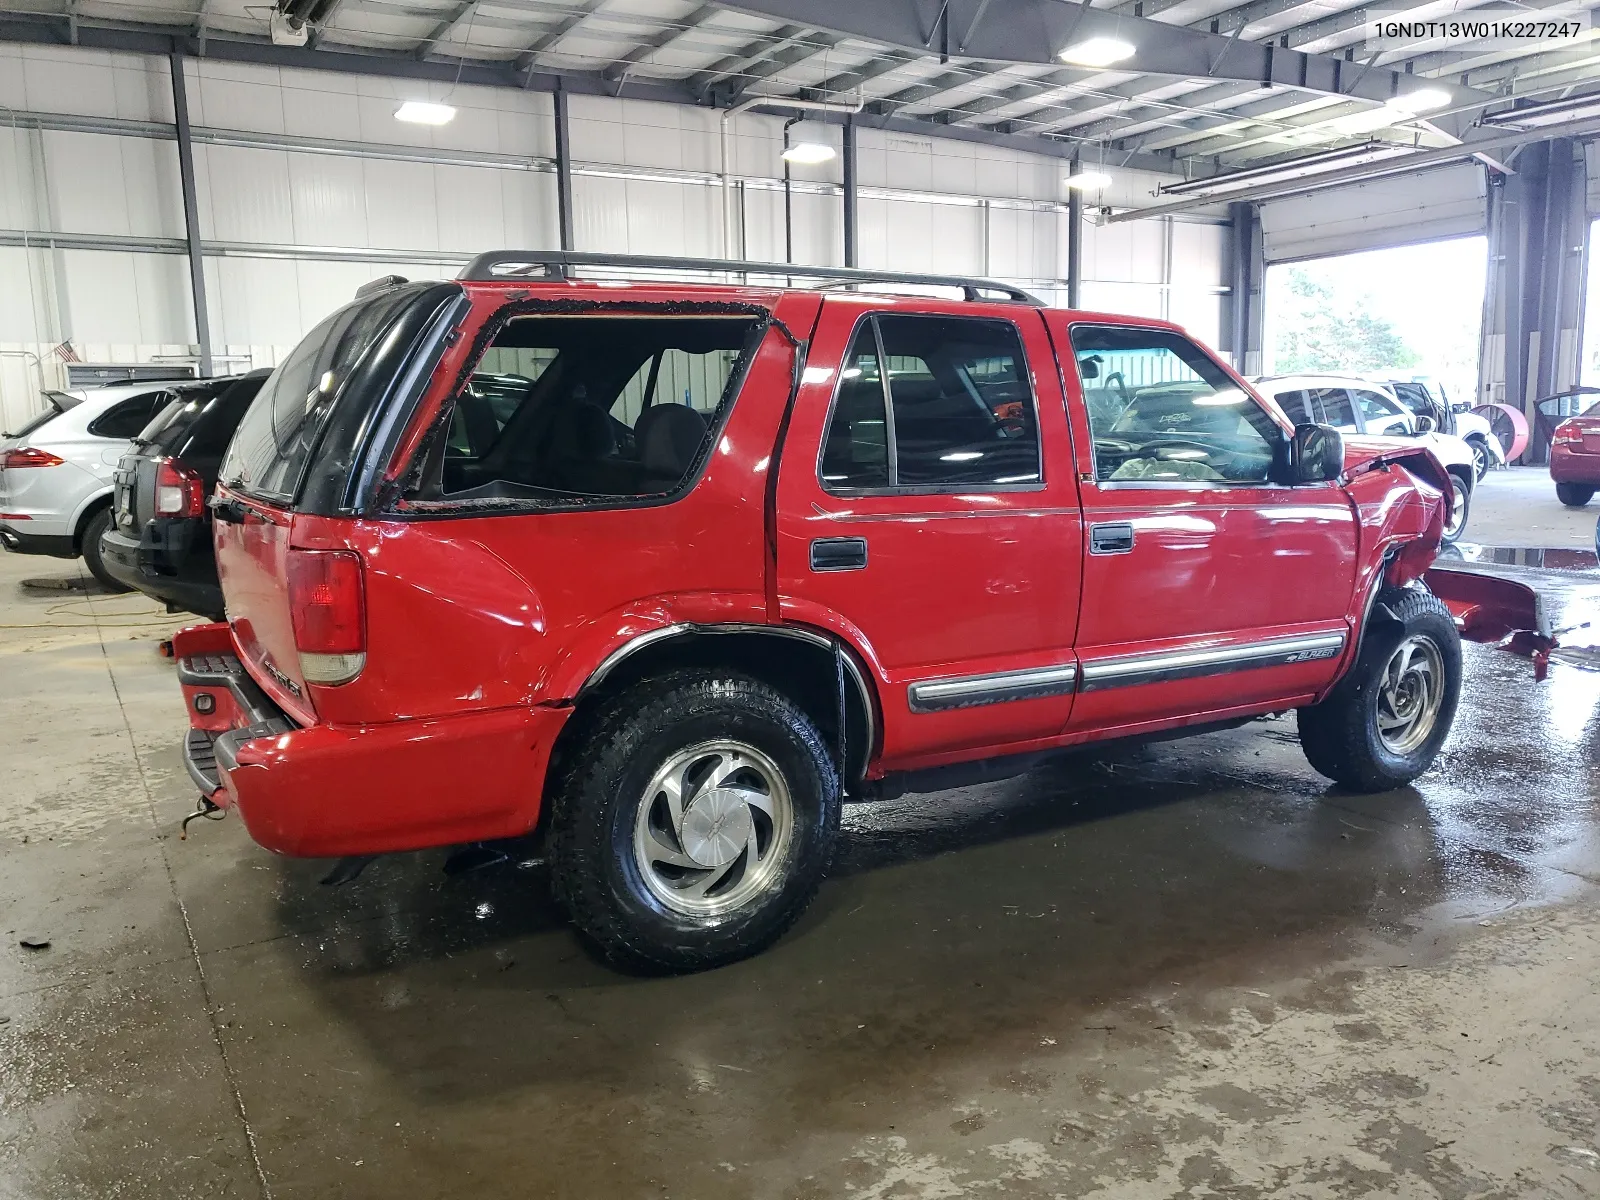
{"x": 694, "y": 21}
{"x": 529, "y": 58}
{"x": 1035, "y": 31}
{"x": 861, "y": 77}
{"x": 780, "y": 41}
{"x": 441, "y": 31}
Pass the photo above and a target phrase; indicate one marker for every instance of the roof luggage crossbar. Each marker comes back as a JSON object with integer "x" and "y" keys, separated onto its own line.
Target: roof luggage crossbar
{"x": 501, "y": 265}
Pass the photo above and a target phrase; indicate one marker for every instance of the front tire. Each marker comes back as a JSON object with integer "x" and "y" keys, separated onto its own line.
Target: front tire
{"x": 1574, "y": 495}
{"x": 1481, "y": 460}
{"x": 694, "y": 823}
{"x": 92, "y": 532}
{"x": 1382, "y": 724}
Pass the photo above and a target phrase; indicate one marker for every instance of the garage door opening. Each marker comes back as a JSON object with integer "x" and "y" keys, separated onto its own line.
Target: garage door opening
{"x": 1413, "y": 311}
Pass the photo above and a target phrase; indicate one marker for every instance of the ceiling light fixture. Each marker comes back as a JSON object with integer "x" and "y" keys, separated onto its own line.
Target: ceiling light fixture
{"x": 1422, "y": 100}
{"x": 1551, "y": 112}
{"x": 1097, "y": 52}
{"x": 1088, "y": 181}
{"x": 809, "y": 154}
{"x": 1305, "y": 167}
{"x": 424, "y": 112}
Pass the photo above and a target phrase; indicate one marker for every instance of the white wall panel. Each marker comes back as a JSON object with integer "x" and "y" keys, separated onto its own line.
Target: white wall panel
{"x": 528, "y": 201}
{"x": 471, "y": 209}
{"x": 328, "y": 200}
{"x": 255, "y": 300}
{"x": 244, "y": 195}
{"x": 402, "y": 206}
{"x": 1199, "y": 312}
{"x": 24, "y": 302}
{"x": 20, "y": 206}
{"x": 115, "y": 296}
{"x": 143, "y": 199}
{"x": 600, "y": 213}
{"x": 1395, "y": 211}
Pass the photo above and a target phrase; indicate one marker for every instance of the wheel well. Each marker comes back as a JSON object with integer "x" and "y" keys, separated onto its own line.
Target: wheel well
{"x": 1464, "y": 476}
{"x": 90, "y": 510}
{"x": 803, "y": 668}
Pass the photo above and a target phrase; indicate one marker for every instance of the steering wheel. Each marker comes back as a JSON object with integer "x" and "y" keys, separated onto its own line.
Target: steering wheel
{"x": 1122, "y": 387}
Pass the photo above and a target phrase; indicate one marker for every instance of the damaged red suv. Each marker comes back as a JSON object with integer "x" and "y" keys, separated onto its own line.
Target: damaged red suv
{"x": 668, "y": 571}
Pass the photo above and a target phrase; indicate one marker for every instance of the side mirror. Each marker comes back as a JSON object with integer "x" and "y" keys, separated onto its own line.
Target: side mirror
{"x": 1316, "y": 454}
{"x": 1426, "y": 424}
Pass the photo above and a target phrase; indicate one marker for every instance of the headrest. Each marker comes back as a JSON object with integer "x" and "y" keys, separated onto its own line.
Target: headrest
{"x": 669, "y": 437}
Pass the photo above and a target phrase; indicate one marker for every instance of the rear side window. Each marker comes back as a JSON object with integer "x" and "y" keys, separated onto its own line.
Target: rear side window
{"x": 127, "y": 417}
{"x": 272, "y": 451}
{"x": 1336, "y": 407}
{"x": 932, "y": 403}
{"x": 591, "y": 409}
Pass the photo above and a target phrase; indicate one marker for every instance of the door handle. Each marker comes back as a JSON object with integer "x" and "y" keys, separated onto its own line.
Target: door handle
{"x": 839, "y": 554}
{"x": 1113, "y": 537}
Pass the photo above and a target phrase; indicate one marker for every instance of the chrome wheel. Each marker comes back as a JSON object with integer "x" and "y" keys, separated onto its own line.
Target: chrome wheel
{"x": 1458, "y": 510}
{"x": 713, "y": 828}
{"x": 1480, "y": 458}
{"x": 1410, "y": 694}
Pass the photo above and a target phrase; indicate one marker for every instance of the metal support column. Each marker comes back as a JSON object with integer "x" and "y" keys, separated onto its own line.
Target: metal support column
{"x": 191, "y": 213}
{"x": 849, "y": 192}
{"x": 1245, "y": 269}
{"x": 563, "y": 169}
{"x": 1075, "y": 242}
{"x": 1533, "y": 301}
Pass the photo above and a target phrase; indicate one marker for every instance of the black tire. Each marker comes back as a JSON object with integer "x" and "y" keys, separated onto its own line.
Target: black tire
{"x": 1574, "y": 495}
{"x": 1482, "y": 460}
{"x": 596, "y": 808}
{"x": 1462, "y": 485}
{"x": 1340, "y": 736}
{"x": 92, "y": 532}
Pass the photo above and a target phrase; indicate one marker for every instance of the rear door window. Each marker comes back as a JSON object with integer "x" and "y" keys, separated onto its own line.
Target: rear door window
{"x": 1336, "y": 407}
{"x": 959, "y": 415}
{"x": 1381, "y": 414}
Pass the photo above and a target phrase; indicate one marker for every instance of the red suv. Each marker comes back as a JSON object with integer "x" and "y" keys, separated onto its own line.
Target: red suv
{"x": 667, "y": 571}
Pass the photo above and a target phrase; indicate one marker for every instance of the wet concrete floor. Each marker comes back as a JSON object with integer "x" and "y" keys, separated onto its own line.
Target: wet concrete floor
{"x": 1185, "y": 970}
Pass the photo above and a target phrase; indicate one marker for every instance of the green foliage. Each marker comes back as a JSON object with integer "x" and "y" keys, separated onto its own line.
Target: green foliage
{"x": 1326, "y": 331}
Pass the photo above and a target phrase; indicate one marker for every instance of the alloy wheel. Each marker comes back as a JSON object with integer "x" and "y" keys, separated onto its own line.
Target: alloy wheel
{"x": 713, "y": 828}
{"x": 1410, "y": 694}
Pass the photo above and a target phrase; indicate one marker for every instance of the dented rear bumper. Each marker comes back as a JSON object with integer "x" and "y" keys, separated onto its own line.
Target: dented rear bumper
{"x": 1491, "y": 608}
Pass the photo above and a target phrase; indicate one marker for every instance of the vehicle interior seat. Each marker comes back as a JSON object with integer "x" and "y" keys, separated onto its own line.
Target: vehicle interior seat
{"x": 668, "y": 437}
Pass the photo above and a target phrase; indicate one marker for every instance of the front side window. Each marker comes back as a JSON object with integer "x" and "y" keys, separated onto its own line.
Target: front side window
{"x": 1161, "y": 410}
{"x": 932, "y": 403}
{"x": 1381, "y": 414}
{"x": 593, "y": 409}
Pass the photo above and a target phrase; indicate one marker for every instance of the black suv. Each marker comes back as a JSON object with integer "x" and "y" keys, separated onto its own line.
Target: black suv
{"x": 159, "y": 540}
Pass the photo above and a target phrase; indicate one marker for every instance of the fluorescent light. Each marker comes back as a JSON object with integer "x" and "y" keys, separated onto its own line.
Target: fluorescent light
{"x": 808, "y": 154}
{"x": 423, "y": 112}
{"x": 1098, "y": 52}
{"x": 1537, "y": 116}
{"x": 1305, "y": 167}
{"x": 1422, "y": 100}
{"x": 1088, "y": 181}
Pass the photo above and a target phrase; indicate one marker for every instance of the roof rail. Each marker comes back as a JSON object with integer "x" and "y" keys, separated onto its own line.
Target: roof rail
{"x": 561, "y": 264}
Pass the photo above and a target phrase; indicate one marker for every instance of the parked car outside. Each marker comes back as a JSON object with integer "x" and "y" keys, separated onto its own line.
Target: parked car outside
{"x": 55, "y": 472}
{"x": 1575, "y": 452}
{"x": 1424, "y": 396}
{"x": 159, "y": 539}
{"x": 1354, "y": 405}
{"x": 840, "y": 553}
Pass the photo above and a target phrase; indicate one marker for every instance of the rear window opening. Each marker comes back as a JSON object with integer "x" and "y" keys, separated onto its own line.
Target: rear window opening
{"x": 588, "y": 410}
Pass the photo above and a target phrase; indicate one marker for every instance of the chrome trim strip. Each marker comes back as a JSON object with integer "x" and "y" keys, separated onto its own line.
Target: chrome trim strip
{"x": 1190, "y": 664}
{"x": 969, "y": 691}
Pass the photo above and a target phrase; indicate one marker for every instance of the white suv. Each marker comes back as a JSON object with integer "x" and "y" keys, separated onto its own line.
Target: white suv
{"x": 1355, "y": 405}
{"x": 55, "y": 472}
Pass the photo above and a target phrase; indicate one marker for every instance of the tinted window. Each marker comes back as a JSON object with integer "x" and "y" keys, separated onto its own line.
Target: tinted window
{"x": 582, "y": 409}
{"x": 1161, "y": 409}
{"x": 1294, "y": 406}
{"x": 128, "y": 417}
{"x": 209, "y": 436}
{"x": 1335, "y": 406}
{"x": 961, "y": 410}
{"x": 272, "y": 450}
{"x": 1381, "y": 414}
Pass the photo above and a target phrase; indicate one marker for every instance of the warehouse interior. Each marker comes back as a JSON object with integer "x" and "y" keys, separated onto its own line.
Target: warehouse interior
{"x": 1181, "y": 968}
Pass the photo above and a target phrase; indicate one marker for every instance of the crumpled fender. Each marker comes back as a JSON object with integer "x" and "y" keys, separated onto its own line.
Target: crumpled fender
{"x": 1402, "y": 524}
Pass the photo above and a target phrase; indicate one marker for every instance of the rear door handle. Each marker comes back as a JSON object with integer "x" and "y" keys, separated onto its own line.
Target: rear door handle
{"x": 839, "y": 554}
{"x": 1113, "y": 537}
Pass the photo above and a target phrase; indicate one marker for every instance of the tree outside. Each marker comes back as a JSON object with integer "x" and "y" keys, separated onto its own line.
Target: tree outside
{"x": 1325, "y": 330}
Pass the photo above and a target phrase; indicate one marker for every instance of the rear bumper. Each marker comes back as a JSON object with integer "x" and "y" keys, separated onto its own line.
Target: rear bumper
{"x": 1568, "y": 467}
{"x": 325, "y": 791}
{"x": 21, "y": 542}
{"x": 143, "y": 564}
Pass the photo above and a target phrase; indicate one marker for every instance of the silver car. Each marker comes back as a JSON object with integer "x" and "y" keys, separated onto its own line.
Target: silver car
{"x": 55, "y": 472}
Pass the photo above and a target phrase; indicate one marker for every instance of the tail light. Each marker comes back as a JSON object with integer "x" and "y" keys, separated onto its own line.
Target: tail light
{"x": 13, "y": 460}
{"x": 180, "y": 492}
{"x": 326, "y": 597}
{"x": 1567, "y": 432}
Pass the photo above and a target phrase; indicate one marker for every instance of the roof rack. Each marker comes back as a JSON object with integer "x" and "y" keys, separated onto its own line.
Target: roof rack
{"x": 560, "y": 264}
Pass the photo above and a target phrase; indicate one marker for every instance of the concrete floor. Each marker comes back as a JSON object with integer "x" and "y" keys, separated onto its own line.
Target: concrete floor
{"x": 1188, "y": 970}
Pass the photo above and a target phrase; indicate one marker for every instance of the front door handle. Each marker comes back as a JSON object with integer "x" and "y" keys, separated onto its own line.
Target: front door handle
{"x": 1113, "y": 537}
{"x": 839, "y": 554}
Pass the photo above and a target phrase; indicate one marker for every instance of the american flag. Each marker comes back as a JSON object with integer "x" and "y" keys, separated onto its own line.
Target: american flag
{"x": 66, "y": 353}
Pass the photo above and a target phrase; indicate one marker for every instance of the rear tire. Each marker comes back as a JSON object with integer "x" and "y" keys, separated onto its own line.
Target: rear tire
{"x": 1574, "y": 495}
{"x": 694, "y": 821}
{"x": 92, "y": 532}
{"x": 1460, "y": 507}
{"x": 1481, "y": 459}
{"x": 1382, "y": 724}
